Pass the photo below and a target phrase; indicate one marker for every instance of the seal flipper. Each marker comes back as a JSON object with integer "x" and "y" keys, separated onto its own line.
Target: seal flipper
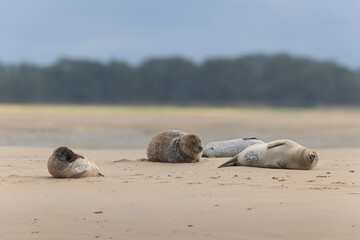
{"x": 250, "y": 138}
{"x": 77, "y": 175}
{"x": 276, "y": 144}
{"x": 232, "y": 162}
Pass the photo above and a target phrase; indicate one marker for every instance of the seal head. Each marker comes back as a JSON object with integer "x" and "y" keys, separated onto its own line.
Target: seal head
{"x": 191, "y": 146}
{"x": 66, "y": 154}
{"x": 310, "y": 158}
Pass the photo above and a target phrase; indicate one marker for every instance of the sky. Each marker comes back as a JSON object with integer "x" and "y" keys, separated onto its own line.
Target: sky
{"x": 42, "y": 31}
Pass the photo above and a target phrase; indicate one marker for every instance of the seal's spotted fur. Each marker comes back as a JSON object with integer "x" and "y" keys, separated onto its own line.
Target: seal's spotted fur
{"x": 175, "y": 146}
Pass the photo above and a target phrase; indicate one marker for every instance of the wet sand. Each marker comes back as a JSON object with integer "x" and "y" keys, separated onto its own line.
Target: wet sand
{"x": 132, "y": 128}
{"x": 142, "y": 200}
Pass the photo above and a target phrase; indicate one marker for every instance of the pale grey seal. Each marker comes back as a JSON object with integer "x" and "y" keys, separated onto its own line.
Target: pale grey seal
{"x": 277, "y": 154}
{"x": 229, "y": 148}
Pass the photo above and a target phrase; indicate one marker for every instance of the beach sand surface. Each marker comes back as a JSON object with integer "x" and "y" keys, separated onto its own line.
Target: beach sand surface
{"x": 146, "y": 200}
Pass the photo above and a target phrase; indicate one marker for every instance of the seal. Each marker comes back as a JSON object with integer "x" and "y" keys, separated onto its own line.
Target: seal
{"x": 64, "y": 163}
{"x": 277, "y": 154}
{"x": 228, "y": 148}
{"x": 174, "y": 146}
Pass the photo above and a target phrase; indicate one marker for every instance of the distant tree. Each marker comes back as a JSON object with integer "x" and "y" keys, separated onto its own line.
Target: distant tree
{"x": 281, "y": 80}
{"x": 166, "y": 80}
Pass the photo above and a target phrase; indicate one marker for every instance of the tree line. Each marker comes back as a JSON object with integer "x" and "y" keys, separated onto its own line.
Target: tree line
{"x": 281, "y": 80}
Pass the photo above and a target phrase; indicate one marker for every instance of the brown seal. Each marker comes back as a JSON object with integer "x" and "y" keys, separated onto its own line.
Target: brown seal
{"x": 64, "y": 163}
{"x": 175, "y": 146}
{"x": 277, "y": 154}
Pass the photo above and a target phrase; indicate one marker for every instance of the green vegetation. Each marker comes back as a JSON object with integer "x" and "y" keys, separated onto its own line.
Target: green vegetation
{"x": 161, "y": 110}
{"x": 279, "y": 80}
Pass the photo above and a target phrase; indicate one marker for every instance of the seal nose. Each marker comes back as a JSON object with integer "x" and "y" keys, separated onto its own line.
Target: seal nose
{"x": 312, "y": 156}
{"x": 200, "y": 148}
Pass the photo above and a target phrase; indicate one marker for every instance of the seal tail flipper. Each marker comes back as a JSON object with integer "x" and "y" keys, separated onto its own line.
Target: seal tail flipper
{"x": 101, "y": 175}
{"x": 232, "y": 162}
{"x": 77, "y": 175}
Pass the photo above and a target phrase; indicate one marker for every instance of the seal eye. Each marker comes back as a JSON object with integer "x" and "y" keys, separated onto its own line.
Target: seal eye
{"x": 193, "y": 143}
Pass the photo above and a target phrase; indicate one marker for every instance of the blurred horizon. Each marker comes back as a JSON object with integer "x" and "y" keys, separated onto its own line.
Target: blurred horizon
{"x": 276, "y": 80}
{"x": 171, "y": 56}
{"x": 41, "y": 32}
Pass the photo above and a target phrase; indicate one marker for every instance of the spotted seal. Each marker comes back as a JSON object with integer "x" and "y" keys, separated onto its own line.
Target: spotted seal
{"x": 228, "y": 148}
{"x": 64, "y": 163}
{"x": 174, "y": 146}
{"x": 277, "y": 154}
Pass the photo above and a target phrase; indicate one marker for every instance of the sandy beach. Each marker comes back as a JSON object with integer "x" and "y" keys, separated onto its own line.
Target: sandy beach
{"x": 143, "y": 200}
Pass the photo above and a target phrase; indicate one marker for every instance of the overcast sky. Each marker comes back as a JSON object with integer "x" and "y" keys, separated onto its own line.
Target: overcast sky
{"x": 41, "y": 31}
